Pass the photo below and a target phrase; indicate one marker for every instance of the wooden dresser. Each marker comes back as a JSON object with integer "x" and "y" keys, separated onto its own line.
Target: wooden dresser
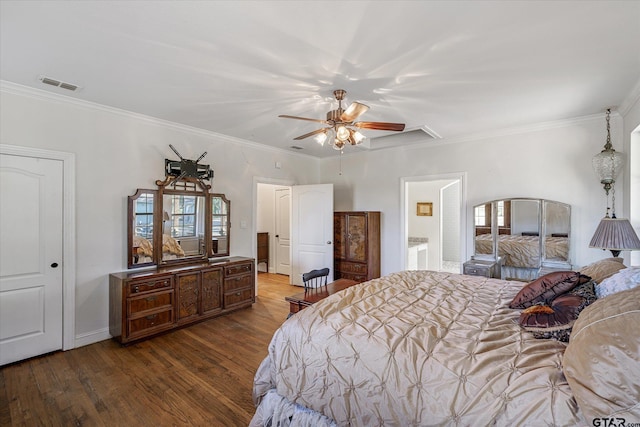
{"x": 356, "y": 245}
{"x": 145, "y": 303}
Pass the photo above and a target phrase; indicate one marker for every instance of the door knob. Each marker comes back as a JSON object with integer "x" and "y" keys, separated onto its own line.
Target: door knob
{"x": 328, "y": 242}
{"x": 277, "y": 235}
{"x": 54, "y": 264}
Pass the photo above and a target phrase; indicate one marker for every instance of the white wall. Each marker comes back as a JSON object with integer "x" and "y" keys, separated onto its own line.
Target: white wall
{"x": 632, "y": 179}
{"x": 116, "y": 153}
{"x": 551, "y": 161}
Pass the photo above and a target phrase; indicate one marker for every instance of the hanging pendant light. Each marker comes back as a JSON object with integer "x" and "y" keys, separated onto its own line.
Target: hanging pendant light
{"x": 613, "y": 234}
{"x": 608, "y": 163}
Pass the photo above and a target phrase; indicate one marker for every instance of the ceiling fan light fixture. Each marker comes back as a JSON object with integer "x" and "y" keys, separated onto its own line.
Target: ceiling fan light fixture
{"x": 337, "y": 144}
{"x": 342, "y": 133}
{"x": 321, "y": 138}
{"x": 356, "y": 137}
{"x": 339, "y": 124}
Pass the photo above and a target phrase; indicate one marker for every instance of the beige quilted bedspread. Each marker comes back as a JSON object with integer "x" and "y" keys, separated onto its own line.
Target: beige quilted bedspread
{"x": 419, "y": 348}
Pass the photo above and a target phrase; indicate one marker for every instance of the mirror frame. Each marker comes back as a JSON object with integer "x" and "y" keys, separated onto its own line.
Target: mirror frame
{"x": 196, "y": 188}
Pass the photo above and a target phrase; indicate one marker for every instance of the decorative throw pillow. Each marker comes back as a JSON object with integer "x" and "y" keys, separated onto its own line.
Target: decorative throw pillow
{"x": 603, "y": 268}
{"x": 624, "y": 279}
{"x": 544, "y": 289}
{"x": 553, "y": 321}
{"x": 602, "y": 359}
{"x": 556, "y": 320}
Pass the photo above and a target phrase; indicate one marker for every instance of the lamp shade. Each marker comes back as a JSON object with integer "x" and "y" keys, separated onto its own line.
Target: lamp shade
{"x": 615, "y": 234}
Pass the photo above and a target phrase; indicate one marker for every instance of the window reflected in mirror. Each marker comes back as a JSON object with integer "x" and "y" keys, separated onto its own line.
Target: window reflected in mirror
{"x": 183, "y": 226}
{"x": 141, "y": 219}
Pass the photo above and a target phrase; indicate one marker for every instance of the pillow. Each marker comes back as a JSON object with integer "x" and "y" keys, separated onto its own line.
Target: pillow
{"x": 556, "y": 321}
{"x": 624, "y": 279}
{"x": 602, "y": 358}
{"x": 602, "y": 269}
{"x": 544, "y": 289}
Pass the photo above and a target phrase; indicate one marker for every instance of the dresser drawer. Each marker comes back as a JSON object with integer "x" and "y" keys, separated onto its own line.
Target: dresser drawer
{"x": 159, "y": 320}
{"x": 238, "y": 282}
{"x": 238, "y": 269}
{"x": 149, "y": 302}
{"x": 139, "y": 286}
{"x": 352, "y": 267}
{"x": 238, "y": 297}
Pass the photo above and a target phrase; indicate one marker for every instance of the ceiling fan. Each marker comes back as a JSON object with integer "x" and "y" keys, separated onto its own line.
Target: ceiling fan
{"x": 341, "y": 123}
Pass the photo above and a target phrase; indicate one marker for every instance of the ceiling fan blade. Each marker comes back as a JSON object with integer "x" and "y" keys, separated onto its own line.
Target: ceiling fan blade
{"x": 380, "y": 126}
{"x": 307, "y": 135}
{"x": 303, "y": 118}
{"x": 353, "y": 112}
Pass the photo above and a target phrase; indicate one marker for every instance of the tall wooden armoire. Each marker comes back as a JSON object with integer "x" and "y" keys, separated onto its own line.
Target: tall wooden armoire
{"x": 356, "y": 245}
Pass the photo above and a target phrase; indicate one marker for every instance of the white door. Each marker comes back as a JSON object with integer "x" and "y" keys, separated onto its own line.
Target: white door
{"x": 30, "y": 256}
{"x": 283, "y": 231}
{"x": 311, "y": 230}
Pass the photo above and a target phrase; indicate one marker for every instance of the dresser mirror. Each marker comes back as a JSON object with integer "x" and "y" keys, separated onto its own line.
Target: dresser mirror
{"x": 220, "y": 225}
{"x": 176, "y": 226}
{"x": 141, "y": 208}
{"x": 524, "y": 235}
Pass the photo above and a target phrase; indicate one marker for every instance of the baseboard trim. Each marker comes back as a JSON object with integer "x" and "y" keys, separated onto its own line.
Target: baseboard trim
{"x": 92, "y": 337}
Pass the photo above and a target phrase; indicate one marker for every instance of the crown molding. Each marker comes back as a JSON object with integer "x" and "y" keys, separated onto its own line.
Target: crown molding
{"x": 630, "y": 100}
{"x": 480, "y": 136}
{"x": 13, "y": 88}
{"x": 21, "y": 90}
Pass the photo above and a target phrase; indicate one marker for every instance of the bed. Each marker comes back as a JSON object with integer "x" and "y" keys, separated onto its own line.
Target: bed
{"x": 417, "y": 348}
{"x": 143, "y": 249}
{"x": 523, "y": 251}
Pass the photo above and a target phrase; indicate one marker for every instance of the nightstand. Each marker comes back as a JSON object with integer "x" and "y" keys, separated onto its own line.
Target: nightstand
{"x": 479, "y": 267}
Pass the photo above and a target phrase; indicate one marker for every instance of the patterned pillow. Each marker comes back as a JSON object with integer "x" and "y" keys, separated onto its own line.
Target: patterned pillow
{"x": 556, "y": 320}
{"x": 546, "y": 288}
{"x": 624, "y": 279}
{"x": 602, "y": 269}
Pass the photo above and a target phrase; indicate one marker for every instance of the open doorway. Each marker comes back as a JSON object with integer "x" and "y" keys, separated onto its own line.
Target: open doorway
{"x": 273, "y": 206}
{"x": 296, "y": 223}
{"x": 434, "y": 218}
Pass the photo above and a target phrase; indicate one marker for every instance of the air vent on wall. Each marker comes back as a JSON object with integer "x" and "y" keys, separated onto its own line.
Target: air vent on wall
{"x": 57, "y": 83}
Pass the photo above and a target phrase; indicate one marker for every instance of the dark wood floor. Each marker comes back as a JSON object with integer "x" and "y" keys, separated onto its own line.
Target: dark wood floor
{"x": 201, "y": 375}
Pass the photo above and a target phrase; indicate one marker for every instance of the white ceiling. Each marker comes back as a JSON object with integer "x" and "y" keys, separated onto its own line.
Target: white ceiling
{"x": 455, "y": 68}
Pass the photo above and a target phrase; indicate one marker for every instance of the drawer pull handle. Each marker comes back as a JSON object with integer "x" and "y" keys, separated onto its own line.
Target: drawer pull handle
{"x": 151, "y": 317}
{"x": 237, "y": 294}
{"x": 150, "y": 299}
{"x": 136, "y": 288}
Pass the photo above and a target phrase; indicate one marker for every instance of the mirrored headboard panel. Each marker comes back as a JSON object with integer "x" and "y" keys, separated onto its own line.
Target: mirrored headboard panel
{"x": 524, "y": 234}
